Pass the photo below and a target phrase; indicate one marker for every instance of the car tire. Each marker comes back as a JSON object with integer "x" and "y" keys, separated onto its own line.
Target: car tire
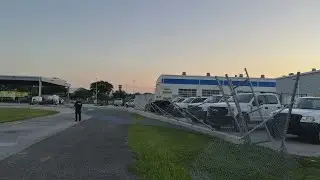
{"x": 217, "y": 127}
{"x": 316, "y": 138}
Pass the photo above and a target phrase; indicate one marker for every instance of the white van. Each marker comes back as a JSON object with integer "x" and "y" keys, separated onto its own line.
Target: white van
{"x": 36, "y": 100}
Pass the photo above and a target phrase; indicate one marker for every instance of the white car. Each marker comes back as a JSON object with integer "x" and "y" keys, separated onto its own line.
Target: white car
{"x": 178, "y": 99}
{"x": 209, "y": 102}
{"x": 219, "y": 114}
{"x": 130, "y": 103}
{"x": 36, "y": 100}
{"x": 197, "y": 102}
{"x": 305, "y": 118}
{"x": 185, "y": 103}
{"x": 118, "y": 102}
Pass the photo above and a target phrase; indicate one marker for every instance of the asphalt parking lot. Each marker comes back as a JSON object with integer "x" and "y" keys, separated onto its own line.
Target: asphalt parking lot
{"x": 92, "y": 149}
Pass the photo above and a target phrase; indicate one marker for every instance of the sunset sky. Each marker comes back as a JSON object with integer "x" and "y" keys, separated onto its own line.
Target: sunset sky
{"x": 125, "y": 40}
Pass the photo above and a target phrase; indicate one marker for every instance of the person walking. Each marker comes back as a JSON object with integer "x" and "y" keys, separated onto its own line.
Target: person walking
{"x": 78, "y": 107}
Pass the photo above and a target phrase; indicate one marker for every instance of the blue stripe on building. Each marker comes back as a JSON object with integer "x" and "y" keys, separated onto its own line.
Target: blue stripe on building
{"x": 214, "y": 82}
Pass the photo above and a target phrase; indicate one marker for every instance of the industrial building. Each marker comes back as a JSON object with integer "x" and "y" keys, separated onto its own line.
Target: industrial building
{"x": 31, "y": 82}
{"x": 309, "y": 84}
{"x": 170, "y": 86}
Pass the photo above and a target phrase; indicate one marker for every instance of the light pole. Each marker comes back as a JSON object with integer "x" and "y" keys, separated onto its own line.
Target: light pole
{"x": 96, "y": 91}
{"x": 133, "y": 81}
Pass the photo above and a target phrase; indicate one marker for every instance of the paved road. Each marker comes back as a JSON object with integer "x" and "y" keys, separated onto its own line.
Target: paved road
{"x": 93, "y": 149}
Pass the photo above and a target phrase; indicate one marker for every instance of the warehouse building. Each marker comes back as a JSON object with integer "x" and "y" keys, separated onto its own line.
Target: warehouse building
{"x": 9, "y": 84}
{"x": 170, "y": 86}
{"x": 309, "y": 84}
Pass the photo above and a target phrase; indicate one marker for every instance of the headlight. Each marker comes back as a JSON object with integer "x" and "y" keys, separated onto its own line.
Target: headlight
{"x": 307, "y": 119}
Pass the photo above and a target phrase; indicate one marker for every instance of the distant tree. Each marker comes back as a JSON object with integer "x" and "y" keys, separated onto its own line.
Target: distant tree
{"x": 81, "y": 93}
{"x": 104, "y": 87}
{"x": 58, "y": 90}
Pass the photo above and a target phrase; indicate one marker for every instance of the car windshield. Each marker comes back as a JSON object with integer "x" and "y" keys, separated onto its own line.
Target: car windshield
{"x": 180, "y": 100}
{"x": 188, "y": 100}
{"x": 176, "y": 99}
{"x": 213, "y": 99}
{"x": 308, "y": 103}
{"x": 243, "y": 98}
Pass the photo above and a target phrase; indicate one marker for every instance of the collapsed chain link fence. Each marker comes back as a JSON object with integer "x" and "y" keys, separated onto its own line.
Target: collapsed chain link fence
{"x": 264, "y": 153}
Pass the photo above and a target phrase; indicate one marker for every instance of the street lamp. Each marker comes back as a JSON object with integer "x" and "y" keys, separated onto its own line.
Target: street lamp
{"x": 133, "y": 81}
{"x": 96, "y": 91}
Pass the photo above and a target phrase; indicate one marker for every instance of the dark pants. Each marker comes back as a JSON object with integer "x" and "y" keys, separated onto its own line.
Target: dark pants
{"x": 78, "y": 115}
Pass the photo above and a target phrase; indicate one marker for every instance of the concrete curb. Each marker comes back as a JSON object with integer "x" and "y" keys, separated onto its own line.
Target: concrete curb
{"x": 225, "y": 136}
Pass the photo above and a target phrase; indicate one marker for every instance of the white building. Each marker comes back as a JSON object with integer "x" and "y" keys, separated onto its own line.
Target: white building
{"x": 170, "y": 86}
{"x": 309, "y": 84}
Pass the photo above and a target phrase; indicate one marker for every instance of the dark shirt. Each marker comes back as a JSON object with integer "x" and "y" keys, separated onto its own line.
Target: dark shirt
{"x": 78, "y": 105}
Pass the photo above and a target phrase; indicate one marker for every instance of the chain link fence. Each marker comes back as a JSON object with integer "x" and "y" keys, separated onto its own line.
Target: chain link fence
{"x": 262, "y": 155}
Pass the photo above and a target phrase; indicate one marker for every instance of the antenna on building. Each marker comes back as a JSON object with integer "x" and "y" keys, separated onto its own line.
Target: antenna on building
{"x": 184, "y": 73}
{"x": 208, "y": 74}
{"x": 314, "y": 69}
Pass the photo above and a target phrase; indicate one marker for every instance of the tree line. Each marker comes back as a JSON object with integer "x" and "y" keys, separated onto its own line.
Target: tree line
{"x": 104, "y": 89}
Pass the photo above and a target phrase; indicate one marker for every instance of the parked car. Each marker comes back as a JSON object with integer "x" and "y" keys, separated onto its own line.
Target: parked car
{"x": 197, "y": 102}
{"x": 191, "y": 100}
{"x": 130, "y": 103}
{"x": 118, "y": 102}
{"x": 178, "y": 99}
{"x": 36, "y": 100}
{"x": 155, "y": 106}
{"x": 219, "y": 115}
{"x": 304, "y": 120}
{"x": 200, "y": 109}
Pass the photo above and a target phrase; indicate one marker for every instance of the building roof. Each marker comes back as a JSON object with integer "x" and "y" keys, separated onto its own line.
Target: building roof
{"x": 211, "y": 77}
{"x": 55, "y": 81}
{"x": 301, "y": 74}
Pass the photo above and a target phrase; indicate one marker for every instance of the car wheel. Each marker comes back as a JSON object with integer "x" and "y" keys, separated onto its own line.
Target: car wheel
{"x": 205, "y": 120}
{"x": 316, "y": 138}
{"x": 217, "y": 127}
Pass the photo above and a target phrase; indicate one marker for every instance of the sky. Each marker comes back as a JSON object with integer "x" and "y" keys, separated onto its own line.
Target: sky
{"x": 132, "y": 42}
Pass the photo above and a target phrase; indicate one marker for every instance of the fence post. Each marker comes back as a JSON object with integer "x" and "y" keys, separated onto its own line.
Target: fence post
{"x": 257, "y": 103}
{"x": 283, "y": 144}
{"x": 236, "y": 102}
{"x": 228, "y": 104}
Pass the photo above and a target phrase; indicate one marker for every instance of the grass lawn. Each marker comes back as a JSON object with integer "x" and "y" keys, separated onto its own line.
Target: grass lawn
{"x": 17, "y": 114}
{"x": 164, "y": 153}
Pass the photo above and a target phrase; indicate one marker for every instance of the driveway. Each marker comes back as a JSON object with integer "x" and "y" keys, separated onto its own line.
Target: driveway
{"x": 93, "y": 149}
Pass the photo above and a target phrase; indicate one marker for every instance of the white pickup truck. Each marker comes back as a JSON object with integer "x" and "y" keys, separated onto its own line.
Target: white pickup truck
{"x": 219, "y": 115}
{"x": 304, "y": 121}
